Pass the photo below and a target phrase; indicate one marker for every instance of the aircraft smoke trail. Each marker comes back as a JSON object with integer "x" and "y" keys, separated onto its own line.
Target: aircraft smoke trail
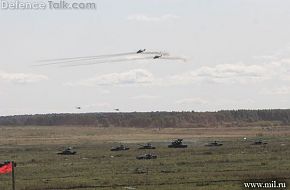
{"x": 124, "y": 60}
{"x": 156, "y": 53}
{"x": 174, "y": 58}
{"x": 68, "y": 61}
{"x": 109, "y": 58}
{"x": 88, "y": 58}
{"x": 108, "y": 61}
{"x": 91, "y": 59}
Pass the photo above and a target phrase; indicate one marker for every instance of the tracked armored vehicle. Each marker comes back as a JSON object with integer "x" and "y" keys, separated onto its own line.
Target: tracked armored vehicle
{"x": 215, "y": 143}
{"x": 67, "y": 151}
{"x": 146, "y": 146}
{"x": 259, "y": 142}
{"x": 120, "y": 148}
{"x": 146, "y": 157}
{"x": 177, "y": 144}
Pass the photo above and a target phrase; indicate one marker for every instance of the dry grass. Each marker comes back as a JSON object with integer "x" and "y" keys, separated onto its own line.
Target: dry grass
{"x": 95, "y": 167}
{"x": 74, "y": 135}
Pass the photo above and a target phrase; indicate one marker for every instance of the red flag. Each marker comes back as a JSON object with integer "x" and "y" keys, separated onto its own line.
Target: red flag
{"x": 6, "y": 168}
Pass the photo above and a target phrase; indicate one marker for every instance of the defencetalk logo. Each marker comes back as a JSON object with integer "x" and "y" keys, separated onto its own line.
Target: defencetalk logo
{"x": 46, "y": 5}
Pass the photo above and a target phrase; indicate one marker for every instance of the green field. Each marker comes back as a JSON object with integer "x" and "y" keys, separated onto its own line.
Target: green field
{"x": 96, "y": 167}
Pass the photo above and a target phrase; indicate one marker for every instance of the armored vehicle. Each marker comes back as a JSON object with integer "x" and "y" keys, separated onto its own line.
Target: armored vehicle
{"x": 215, "y": 143}
{"x": 67, "y": 151}
{"x": 146, "y": 146}
{"x": 120, "y": 148}
{"x": 177, "y": 144}
{"x": 146, "y": 157}
{"x": 259, "y": 142}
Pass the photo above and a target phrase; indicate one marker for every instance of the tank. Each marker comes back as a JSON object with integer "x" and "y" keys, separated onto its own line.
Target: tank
{"x": 146, "y": 157}
{"x": 177, "y": 144}
{"x": 215, "y": 143}
{"x": 146, "y": 146}
{"x": 120, "y": 148}
{"x": 67, "y": 151}
{"x": 259, "y": 142}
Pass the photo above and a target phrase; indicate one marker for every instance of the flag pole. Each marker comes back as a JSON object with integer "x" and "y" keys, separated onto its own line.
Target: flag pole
{"x": 13, "y": 176}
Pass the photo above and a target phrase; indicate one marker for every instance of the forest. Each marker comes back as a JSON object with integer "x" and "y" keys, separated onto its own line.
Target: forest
{"x": 230, "y": 118}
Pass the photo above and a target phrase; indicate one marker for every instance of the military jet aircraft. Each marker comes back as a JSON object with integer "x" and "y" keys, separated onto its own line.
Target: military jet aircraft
{"x": 141, "y": 51}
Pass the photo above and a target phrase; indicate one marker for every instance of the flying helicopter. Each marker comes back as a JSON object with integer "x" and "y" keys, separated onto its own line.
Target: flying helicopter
{"x": 78, "y": 108}
{"x": 141, "y": 51}
{"x": 157, "y": 56}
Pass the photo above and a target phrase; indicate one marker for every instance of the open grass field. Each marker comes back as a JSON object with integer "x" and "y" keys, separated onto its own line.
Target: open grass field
{"x": 95, "y": 167}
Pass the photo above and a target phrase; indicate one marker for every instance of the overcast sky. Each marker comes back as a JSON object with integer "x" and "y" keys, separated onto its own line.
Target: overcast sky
{"x": 238, "y": 57}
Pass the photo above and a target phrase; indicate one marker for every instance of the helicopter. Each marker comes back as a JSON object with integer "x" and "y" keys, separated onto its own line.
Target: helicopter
{"x": 157, "y": 56}
{"x": 141, "y": 51}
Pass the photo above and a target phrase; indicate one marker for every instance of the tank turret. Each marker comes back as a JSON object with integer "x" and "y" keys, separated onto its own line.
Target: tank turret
{"x": 259, "y": 142}
{"x": 67, "y": 151}
{"x": 177, "y": 144}
{"x": 215, "y": 143}
{"x": 146, "y": 146}
{"x": 146, "y": 157}
{"x": 120, "y": 148}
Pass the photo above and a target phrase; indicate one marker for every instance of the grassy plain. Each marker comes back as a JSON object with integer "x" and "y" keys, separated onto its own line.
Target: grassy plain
{"x": 95, "y": 167}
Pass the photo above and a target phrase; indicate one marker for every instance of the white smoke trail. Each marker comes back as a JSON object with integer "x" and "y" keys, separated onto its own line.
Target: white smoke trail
{"x": 88, "y": 58}
{"x": 110, "y": 58}
{"x": 108, "y": 61}
{"x": 174, "y": 58}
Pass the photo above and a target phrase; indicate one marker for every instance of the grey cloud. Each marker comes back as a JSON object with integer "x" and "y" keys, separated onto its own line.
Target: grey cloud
{"x": 145, "y": 97}
{"x": 226, "y": 73}
{"x": 21, "y": 78}
{"x": 132, "y": 77}
{"x": 146, "y": 18}
{"x": 191, "y": 101}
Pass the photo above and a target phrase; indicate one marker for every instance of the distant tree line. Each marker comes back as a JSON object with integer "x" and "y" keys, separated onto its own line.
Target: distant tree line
{"x": 230, "y": 118}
